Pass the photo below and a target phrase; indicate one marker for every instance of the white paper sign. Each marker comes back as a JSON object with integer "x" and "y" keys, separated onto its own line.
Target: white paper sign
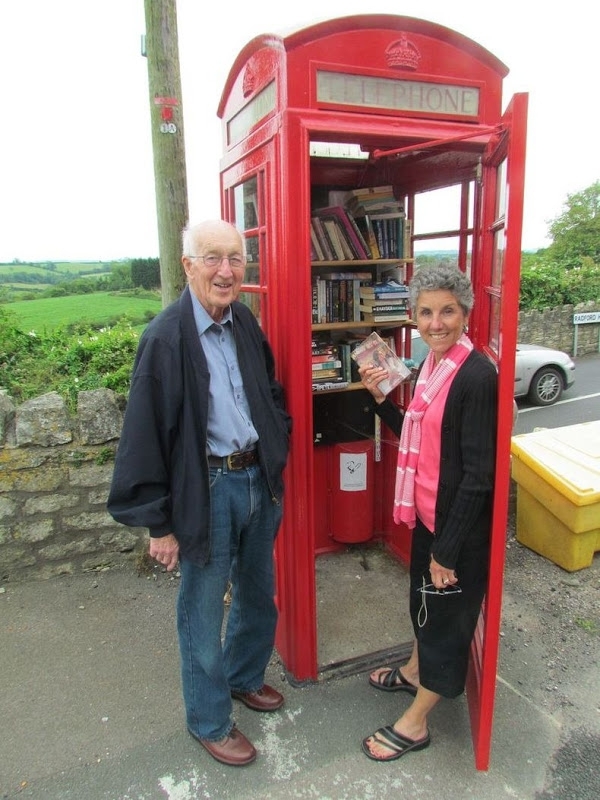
{"x": 353, "y": 472}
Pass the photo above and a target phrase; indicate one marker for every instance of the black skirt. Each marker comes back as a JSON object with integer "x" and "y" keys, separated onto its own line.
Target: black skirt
{"x": 444, "y": 623}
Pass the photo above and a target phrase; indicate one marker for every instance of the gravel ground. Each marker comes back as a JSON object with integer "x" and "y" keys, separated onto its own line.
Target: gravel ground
{"x": 556, "y": 622}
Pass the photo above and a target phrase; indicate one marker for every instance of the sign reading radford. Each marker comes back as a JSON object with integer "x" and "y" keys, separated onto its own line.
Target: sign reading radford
{"x": 586, "y": 316}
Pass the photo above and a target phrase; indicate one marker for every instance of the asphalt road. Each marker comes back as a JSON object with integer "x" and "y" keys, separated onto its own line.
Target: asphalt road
{"x": 580, "y": 403}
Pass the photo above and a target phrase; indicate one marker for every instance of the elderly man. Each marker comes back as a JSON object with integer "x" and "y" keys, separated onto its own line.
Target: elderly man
{"x": 200, "y": 462}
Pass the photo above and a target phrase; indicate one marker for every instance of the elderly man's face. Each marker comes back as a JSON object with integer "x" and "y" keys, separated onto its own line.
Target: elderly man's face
{"x": 216, "y": 284}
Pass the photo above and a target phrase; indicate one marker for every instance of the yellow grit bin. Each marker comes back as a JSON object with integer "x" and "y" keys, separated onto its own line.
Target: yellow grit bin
{"x": 557, "y": 472}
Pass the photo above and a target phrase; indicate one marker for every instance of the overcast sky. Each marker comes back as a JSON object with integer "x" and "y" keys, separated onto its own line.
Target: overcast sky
{"x": 75, "y": 144}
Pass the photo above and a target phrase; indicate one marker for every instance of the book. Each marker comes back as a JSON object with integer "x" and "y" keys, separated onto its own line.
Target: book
{"x": 369, "y": 191}
{"x": 383, "y": 306}
{"x": 348, "y": 229}
{"x": 328, "y": 385}
{"x": 391, "y": 228}
{"x": 365, "y": 226}
{"x": 331, "y": 230}
{"x": 323, "y": 238}
{"x": 326, "y": 365}
{"x": 374, "y": 351}
{"x": 346, "y": 276}
{"x": 316, "y": 245}
{"x": 326, "y": 374}
{"x": 380, "y": 197}
{"x": 383, "y": 317}
{"x": 385, "y": 289}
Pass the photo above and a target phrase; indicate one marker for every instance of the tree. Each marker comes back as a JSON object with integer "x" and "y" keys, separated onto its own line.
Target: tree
{"x": 145, "y": 272}
{"x": 576, "y": 232}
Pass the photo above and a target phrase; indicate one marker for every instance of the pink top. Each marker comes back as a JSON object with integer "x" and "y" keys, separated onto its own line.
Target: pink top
{"x": 427, "y": 477}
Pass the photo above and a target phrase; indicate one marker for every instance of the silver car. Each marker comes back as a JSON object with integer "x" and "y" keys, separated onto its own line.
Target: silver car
{"x": 541, "y": 373}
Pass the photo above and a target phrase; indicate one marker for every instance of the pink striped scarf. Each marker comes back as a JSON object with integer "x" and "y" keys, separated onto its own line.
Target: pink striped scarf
{"x": 431, "y": 380}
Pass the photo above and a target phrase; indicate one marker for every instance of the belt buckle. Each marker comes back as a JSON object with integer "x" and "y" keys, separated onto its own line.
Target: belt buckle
{"x": 232, "y": 461}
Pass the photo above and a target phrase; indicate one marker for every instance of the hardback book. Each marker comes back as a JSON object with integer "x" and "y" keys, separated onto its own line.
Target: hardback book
{"x": 325, "y": 365}
{"x": 348, "y": 227}
{"x": 381, "y": 306}
{"x": 332, "y": 231}
{"x": 325, "y": 386}
{"x": 385, "y": 289}
{"x": 323, "y": 358}
{"x": 374, "y": 351}
{"x": 366, "y": 228}
{"x": 316, "y": 245}
{"x": 323, "y": 237}
{"x": 389, "y": 229}
{"x": 383, "y": 317}
{"x": 326, "y": 374}
{"x": 357, "y": 200}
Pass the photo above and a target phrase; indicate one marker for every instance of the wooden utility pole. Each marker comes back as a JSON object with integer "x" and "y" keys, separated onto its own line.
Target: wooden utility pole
{"x": 166, "y": 114}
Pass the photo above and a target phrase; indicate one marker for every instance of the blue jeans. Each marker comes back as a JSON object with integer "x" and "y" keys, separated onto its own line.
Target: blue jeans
{"x": 244, "y": 523}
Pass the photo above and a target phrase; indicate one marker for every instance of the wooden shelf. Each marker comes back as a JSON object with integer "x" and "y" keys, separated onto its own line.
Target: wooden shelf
{"x": 366, "y": 263}
{"x": 352, "y": 387}
{"x": 345, "y": 326}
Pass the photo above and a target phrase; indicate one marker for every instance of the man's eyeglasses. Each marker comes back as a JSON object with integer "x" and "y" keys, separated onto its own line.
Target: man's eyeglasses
{"x": 235, "y": 262}
{"x": 429, "y": 588}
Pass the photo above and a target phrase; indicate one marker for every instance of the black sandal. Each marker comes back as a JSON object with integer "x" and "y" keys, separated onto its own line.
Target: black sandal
{"x": 397, "y": 744}
{"x": 393, "y": 681}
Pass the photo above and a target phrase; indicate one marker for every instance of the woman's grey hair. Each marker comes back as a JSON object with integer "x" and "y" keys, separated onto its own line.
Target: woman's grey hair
{"x": 441, "y": 276}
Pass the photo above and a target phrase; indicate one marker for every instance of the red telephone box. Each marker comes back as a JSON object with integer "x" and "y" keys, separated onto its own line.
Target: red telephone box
{"x": 356, "y": 103}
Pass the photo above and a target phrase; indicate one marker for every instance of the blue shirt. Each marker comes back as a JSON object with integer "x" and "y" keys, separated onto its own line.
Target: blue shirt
{"x": 230, "y": 427}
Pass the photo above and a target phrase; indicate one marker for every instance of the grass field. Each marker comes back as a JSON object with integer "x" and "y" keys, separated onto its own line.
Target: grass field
{"x": 100, "y": 308}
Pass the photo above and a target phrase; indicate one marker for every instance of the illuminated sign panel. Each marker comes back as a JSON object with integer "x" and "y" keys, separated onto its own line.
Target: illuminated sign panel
{"x": 397, "y": 95}
{"x": 261, "y": 105}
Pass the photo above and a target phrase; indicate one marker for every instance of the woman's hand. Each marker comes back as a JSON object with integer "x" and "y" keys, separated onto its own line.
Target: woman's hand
{"x": 441, "y": 577}
{"x": 371, "y": 377}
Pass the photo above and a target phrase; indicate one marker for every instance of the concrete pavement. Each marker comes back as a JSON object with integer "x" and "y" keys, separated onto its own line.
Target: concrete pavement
{"x": 91, "y": 709}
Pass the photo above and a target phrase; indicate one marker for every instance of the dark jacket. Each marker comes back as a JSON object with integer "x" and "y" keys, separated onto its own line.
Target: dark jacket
{"x": 467, "y": 458}
{"x": 161, "y": 477}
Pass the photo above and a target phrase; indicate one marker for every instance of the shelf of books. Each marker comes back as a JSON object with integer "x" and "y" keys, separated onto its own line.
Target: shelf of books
{"x": 360, "y": 244}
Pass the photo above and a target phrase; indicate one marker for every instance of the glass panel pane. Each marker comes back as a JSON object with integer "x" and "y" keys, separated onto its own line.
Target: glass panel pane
{"x": 438, "y": 210}
{"x": 498, "y": 257}
{"x": 246, "y": 204}
{"x": 252, "y": 300}
{"x": 252, "y": 274}
{"x": 501, "y": 190}
{"x": 494, "y": 329}
{"x": 434, "y": 251}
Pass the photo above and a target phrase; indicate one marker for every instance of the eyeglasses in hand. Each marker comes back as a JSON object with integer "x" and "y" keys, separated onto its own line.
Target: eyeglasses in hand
{"x": 429, "y": 588}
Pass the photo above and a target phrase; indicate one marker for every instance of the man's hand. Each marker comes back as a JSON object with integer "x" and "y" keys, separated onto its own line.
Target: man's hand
{"x": 165, "y": 550}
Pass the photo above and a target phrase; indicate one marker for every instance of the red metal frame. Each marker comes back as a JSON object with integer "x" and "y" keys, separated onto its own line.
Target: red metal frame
{"x": 271, "y": 102}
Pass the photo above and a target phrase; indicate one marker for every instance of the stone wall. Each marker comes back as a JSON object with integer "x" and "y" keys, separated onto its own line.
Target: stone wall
{"x": 553, "y": 327}
{"x": 55, "y": 472}
{"x": 56, "y": 468}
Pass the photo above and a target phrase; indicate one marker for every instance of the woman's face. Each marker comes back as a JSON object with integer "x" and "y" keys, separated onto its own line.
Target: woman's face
{"x": 440, "y": 320}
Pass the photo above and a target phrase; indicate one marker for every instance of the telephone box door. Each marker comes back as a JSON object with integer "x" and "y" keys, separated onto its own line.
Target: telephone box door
{"x": 498, "y": 300}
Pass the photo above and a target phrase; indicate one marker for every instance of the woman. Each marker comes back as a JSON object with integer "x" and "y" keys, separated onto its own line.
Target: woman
{"x": 444, "y": 487}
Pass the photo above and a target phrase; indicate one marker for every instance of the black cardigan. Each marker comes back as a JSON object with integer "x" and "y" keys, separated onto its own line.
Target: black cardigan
{"x": 467, "y": 457}
{"x": 161, "y": 476}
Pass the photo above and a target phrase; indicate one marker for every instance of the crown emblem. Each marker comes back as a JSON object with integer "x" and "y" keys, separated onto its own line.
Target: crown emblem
{"x": 403, "y": 54}
{"x": 249, "y": 82}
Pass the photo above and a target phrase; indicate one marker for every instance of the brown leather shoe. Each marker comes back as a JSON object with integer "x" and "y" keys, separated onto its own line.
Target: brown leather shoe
{"x": 265, "y": 699}
{"x": 234, "y": 750}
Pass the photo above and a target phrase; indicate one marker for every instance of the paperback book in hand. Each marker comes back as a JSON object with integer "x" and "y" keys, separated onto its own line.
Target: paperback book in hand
{"x": 375, "y": 352}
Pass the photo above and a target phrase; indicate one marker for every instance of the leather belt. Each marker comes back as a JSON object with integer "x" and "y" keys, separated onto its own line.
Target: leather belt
{"x": 234, "y": 461}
